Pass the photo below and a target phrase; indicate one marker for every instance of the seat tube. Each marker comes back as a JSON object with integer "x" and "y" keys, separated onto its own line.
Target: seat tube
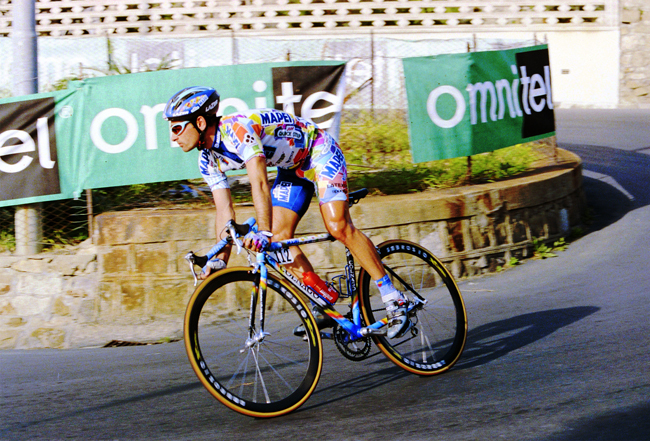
{"x": 351, "y": 282}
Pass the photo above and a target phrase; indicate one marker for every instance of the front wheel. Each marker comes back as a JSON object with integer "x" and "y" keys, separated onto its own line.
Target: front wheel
{"x": 259, "y": 374}
{"x": 439, "y": 331}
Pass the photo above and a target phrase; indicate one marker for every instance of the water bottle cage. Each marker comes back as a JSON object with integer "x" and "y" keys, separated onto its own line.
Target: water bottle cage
{"x": 341, "y": 280}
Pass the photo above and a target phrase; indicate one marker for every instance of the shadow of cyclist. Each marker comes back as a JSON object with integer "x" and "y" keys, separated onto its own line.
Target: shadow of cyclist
{"x": 484, "y": 344}
{"x": 494, "y": 340}
{"x": 625, "y": 423}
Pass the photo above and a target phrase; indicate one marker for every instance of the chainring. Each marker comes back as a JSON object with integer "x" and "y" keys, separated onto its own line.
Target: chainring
{"x": 356, "y": 350}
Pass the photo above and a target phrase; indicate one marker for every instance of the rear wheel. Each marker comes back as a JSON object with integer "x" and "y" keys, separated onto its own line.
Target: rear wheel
{"x": 439, "y": 331}
{"x": 257, "y": 374}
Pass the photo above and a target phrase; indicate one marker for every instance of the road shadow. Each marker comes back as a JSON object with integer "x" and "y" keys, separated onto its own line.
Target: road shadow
{"x": 365, "y": 380}
{"x": 494, "y": 340}
{"x": 606, "y": 203}
{"x": 629, "y": 424}
{"x": 484, "y": 344}
{"x": 614, "y": 182}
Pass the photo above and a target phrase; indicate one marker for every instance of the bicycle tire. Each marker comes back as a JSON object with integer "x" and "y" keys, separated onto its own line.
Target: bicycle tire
{"x": 441, "y": 323}
{"x": 265, "y": 379}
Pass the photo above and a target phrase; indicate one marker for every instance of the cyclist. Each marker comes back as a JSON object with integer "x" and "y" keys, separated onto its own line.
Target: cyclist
{"x": 307, "y": 158}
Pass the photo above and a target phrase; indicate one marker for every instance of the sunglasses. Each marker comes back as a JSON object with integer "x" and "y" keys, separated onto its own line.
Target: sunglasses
{"x": 177, "y": 127}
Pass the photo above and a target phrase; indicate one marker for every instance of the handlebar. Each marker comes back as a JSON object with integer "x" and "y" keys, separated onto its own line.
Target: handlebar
{"x": 234, "y": 232}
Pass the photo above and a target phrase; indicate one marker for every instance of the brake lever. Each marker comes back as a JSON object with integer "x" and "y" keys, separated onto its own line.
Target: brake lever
{"x": 190, "y": 257}
{"x": 233, "y": 235}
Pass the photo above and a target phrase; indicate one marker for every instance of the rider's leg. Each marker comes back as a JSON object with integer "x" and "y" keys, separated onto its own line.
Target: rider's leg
{"x": 330, "y": 174}
{"x": 285, "y": 222}
{"x": 330, "y": 171}
{"x": 291, "y": 198}
{"x": 336, "y": 215}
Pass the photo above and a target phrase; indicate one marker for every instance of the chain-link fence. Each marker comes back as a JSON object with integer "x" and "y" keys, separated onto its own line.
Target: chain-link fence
{"x": 374, "y": 119}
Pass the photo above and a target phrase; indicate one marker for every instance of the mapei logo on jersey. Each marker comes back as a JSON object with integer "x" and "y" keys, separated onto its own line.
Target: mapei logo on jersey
{"x": 230, "y": 134}
{"x": 333, "y": 166}
{"x": 269, "y": 118}
{"x": 288, "y": 132}
{"x": 28, "y": 160}
{"x": 243, "y": 133}
{"x": 248, "y": 139}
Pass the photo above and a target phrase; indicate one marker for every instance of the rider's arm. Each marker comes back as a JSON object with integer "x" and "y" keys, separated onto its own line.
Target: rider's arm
{"x": 261, "y": 191}
{"x": 242, "y": 139}
{"x": 225, "y": 212}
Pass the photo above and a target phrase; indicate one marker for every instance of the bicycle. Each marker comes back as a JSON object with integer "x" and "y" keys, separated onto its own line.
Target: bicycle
{"x": 251, "y": 360}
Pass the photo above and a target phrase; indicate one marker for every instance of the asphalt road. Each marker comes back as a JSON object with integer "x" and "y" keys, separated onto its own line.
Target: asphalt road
{"x": 558, "y": 349}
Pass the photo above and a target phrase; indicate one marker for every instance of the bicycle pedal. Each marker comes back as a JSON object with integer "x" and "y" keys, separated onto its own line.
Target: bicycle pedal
{"x": 372, "y": 331}
{"x": 409, "y": 327}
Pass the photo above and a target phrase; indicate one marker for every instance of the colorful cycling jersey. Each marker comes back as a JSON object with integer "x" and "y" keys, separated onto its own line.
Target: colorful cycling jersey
{"x": 283, "y": 139}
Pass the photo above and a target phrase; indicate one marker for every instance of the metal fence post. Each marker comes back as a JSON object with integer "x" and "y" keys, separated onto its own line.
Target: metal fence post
{"x": 468, "y": 174}
{"x": 372, "y": 74}
{"x": 29, "y": 228}
{"x": 235, "y": 54}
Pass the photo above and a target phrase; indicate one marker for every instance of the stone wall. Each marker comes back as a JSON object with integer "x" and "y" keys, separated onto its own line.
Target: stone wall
{"x": 45, "y": 296}
{"x": 635, "y": 54}
{"x": 133, "y": 283}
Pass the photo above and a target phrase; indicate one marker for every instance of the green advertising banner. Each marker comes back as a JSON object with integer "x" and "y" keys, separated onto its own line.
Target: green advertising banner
{"x": 465, "y": 104}
{"x": 109, "y": 131}
{"x": 33, "y": 166}
{"x": 126, "y": 141}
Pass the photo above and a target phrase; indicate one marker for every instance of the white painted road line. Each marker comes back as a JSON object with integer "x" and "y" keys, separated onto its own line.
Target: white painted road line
{"x": 608, "y": 180}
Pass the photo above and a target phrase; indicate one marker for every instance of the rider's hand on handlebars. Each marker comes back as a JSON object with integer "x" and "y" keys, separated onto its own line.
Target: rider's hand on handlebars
{"x": 212, "y": 266}
{"x": 257, "y": 241}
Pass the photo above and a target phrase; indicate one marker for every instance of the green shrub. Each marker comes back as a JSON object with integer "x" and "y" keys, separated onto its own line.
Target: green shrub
{"x": 7, "y": 241}
{"x": 381, "y": 145}
{"x": 369, "y": 143}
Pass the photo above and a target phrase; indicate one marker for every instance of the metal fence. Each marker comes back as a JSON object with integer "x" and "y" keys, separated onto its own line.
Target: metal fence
{"x": 375, "y": 95}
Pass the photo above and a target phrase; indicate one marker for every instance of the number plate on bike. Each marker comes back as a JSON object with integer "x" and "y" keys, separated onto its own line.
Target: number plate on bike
{"x": 283, "y": 256}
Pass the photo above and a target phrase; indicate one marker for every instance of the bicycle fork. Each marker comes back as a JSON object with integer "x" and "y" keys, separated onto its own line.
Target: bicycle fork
{"x": 258, "y": 295}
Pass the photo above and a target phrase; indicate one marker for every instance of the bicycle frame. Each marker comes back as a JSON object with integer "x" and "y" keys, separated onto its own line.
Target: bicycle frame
{"x": 354, "y": 327}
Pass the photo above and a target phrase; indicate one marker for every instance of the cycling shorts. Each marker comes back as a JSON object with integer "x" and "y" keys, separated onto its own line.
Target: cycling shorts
{"x": 290, "y": 191}
{"x": 325, "y": 169}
